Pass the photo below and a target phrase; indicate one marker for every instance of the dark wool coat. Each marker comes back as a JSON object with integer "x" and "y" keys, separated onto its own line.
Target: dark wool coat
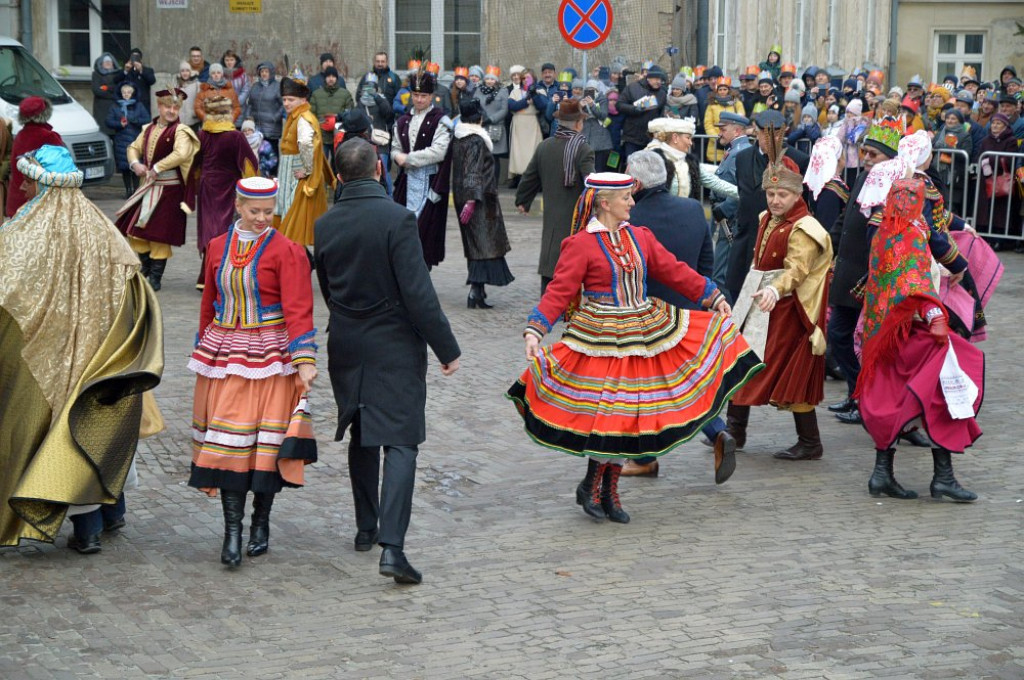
{"x": 679, "y": 225}
{"x": 852, "y": 249}
{"x": 384, "y": 314}
{"x": 634, "y": 128}
{"x": 750, "y": 167}
{"x": 484, "y": 237}
{"x": 544, "y": 175}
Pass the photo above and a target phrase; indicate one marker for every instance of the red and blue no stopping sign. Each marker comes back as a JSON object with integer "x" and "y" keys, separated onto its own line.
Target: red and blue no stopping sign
{"x": 585, "y": 24}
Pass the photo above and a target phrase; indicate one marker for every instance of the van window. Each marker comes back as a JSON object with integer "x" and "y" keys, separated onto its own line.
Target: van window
{"x": 22, "y": 76}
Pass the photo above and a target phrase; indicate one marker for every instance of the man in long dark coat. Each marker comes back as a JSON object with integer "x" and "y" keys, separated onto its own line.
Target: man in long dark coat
{"x": 421, "y": 146}
{"x": 384, "y": 314}
{"x": 559, "y": 175}
{"x": 750, "y": 166}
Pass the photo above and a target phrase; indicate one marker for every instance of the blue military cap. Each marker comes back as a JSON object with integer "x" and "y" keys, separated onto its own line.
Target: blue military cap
{"x": 770, "y": 119}
{"x": 728, "y": 117}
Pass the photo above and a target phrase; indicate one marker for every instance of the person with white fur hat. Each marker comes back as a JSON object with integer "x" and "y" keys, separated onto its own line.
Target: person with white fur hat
{"x": 672, "y": 140}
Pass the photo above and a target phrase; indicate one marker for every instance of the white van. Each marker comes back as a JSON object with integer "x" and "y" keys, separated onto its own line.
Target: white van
{"x": 22, "y": 76}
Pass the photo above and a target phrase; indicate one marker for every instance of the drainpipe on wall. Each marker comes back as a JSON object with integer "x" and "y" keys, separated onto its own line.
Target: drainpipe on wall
{"x": 25, "y": 7}
{"x": 702, "y": 31}
{"x": 894, "y": 13}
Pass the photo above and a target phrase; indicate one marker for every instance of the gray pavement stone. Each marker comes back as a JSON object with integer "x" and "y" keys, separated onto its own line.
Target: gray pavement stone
{"x": 790, "y": 570}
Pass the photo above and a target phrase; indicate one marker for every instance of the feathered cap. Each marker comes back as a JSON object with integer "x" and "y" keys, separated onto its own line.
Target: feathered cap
{"x": 171, "y": 96}
{"x": 422, "y": 81}
{"x": 782, "y": 172}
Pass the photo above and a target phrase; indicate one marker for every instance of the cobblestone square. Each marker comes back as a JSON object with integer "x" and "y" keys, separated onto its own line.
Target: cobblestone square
{"x": 790, "y": 570}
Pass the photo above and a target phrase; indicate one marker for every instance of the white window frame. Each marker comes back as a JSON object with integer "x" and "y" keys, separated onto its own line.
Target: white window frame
{"x": 832, "y": 11}
{"x": 801, "y": 30}
{"x": 437, "y": 33}
{"x": 95, "y": 42}
{"x": 959, "y": 57}
{"x": 724, "y": 21}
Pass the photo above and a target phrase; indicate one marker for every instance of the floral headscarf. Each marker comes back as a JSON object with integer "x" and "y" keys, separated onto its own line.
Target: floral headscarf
{"x": 899, "y": 271}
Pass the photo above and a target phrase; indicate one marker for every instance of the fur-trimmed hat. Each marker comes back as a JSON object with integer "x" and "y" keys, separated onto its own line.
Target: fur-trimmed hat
{"x": 568, "y": 111}
{"x": 294, "y": 88}
{"x": 218, "y": 107}
{"x": 171, "y": 96}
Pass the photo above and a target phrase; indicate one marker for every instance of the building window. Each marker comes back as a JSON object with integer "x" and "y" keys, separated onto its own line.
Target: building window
{"x": 83, "y": 30}
{"x": 953, "y": 51}
{"x": 723, "y": 31}
{"x": 445, "y": 31}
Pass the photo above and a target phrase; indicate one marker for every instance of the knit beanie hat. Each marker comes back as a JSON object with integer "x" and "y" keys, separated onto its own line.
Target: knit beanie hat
{"x": 679, "y": 81}
{"x": 792, "y": 96}
{"x": 810, "y": 110}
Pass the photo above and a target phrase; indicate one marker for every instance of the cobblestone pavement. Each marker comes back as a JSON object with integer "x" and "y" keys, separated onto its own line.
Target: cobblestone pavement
{"x": 790, "y": 570}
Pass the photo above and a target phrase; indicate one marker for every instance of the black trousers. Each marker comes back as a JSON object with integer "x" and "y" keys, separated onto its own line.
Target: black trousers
{"x": 842, "y": 323}
{"x": 392, "y": 509}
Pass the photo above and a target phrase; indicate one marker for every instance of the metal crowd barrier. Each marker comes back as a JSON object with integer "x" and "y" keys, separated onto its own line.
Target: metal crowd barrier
{"x": 1005, "y": 223}
{"x": 958, "y": 169}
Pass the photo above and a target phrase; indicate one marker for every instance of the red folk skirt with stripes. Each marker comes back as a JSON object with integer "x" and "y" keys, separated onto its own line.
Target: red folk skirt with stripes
{"x": 632, "y": 382}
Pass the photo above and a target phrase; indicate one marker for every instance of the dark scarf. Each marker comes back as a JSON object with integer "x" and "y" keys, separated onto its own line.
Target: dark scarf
{"x": 574, "y": 140}
{"x": 489, "y": 92}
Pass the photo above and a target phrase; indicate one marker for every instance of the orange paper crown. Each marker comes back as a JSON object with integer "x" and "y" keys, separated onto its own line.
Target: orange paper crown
{"x": 493, "y": 71}
{"x": 413, "y": 64}
{"x": 433, "y": 67}
{"x": 462, "y": 71}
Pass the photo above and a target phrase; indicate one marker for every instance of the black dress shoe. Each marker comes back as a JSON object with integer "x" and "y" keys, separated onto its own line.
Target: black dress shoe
{"x": 87, "y": 546}
{"x": 365, "y": 540}
{"x": 845, "y": 406}
{"x": 916, "y": 438}
{"x": 850, "y": 417}
{"x": 114, "y": 525}
{"x": 394, "y": 564}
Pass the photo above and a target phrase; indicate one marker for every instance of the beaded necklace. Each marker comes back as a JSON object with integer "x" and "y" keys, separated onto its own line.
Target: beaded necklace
{"x": 623, "y": 251}
{"x": 242, "y": 260}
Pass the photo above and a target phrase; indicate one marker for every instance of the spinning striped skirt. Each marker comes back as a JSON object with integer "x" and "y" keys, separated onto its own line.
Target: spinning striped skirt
{"x": 632, "y": 382}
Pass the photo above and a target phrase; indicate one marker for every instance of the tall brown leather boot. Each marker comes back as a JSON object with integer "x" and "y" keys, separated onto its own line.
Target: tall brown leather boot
{"x": 736, "y": 419}
{"x": 808, "y": 444}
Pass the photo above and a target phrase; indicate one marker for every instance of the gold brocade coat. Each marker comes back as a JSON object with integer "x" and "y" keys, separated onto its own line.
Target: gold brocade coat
{"x": 80, "y": 341}
{"x": 309, "y": 200}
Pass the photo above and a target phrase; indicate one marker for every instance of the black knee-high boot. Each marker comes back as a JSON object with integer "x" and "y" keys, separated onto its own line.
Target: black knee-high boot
{"x": 147, "y": 264}
{"x": 234, "y": 509}
{"x": 156, "y": 272}
{"x": 882, "y": 481}
{"x": 736, "y": 419}
{"x": 588, "y": 492}
{"x": 943, "y": 481}
{"x": 259, "y": 529}
{"x": 610, "y": 494}
{"x": 126, "y": 178}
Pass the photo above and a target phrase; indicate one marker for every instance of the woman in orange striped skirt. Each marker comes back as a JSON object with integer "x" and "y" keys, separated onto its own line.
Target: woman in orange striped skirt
{"x": 254, "y": 362}
{"x": 632, "y": 376}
